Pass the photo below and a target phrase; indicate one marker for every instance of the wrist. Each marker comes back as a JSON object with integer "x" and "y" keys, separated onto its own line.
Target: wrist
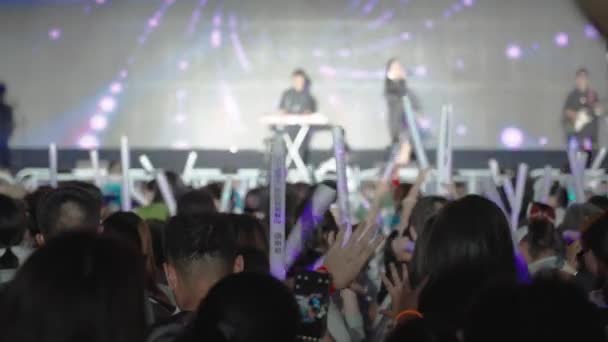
{"x": 407, "y": 315}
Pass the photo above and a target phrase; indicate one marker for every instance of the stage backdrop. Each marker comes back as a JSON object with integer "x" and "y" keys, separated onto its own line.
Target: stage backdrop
{"x": 201, "y": 73}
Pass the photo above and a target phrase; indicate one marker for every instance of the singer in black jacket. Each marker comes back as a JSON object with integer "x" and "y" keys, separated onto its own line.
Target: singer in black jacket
{"x": 395, "y": 88}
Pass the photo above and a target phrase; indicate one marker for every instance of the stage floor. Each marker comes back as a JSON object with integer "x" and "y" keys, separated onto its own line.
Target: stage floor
{"x": 175, "y": 159}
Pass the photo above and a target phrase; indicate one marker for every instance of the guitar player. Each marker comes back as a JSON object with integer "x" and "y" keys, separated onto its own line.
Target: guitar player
{"x": 581, "y": 112}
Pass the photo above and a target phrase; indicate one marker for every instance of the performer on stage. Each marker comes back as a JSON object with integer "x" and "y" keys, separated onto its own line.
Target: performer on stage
{"x": 299, "y": 100}
{"x": 580, "y": 113}
{"x": 6, "y": 129}
{"x": 395, "y": 88}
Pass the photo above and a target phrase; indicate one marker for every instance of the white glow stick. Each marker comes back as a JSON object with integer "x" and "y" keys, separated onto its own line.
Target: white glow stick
{"x": 319, "y": 203}
{"x": 520, "y": 188}
{"x": 577, "y": 175}
{"x": 342, "y": 182}
{"x": 146, "y": 163}
{"x": 138, "y": 197}
{"x": 277, "y": 208}
{"x": 190, "y": 163}
{"x": 166, "y": 192}
{"x": 495, "y": 171}
{"x": 413, "y": 127}
{"x": 444, "y": 150}
{"x": 226, "y": 195}
{"x": 53, "y": 165}
{"x": 390, "y": 165}
{"x": 547, "y": 181}
{"x": 125, "y": 159}
{"x": 599, "y": 159}
{"x": 94, "y": 156}
{"x": 493, "y": 195}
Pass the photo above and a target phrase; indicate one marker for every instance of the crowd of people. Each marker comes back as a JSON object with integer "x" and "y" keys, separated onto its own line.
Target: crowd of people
{"x": 73, "y": 268}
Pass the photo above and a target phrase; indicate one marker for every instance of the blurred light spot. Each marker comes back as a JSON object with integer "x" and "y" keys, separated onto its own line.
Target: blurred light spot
{"x": 429, "y": 24}
{"x": 180, "y": 145}
{"x": 234, "y": 149}
{"x": 461, "y": 130}
{"x": 88, "y": 141}
{"x": 98, "y": 122}
{"x": 468, "y": 3}
{"x": 55, "y": 33}
{"x": 181, "y": 94}
{"x": 513, "y": 51}
{"x": 107, "y": 104}
{"x": 216, "y": 38}
{"x": 421, "y": 71}
{"x": 591, "y": 32}
{"x": 183, "y": 65}
{"x": 543, "y": 141}
{"x": 424, "y": 122}
{"x": 562, "y": 39}
{"x": 406, "y": 36}
{"x": 180, "y": 118}
{"x": 512, "y": 137}
{"x": 116, "y": 87}
{"x": 153, "y": 22}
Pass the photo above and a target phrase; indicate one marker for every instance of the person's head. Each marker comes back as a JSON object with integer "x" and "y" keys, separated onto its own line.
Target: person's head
{"x": 425, "y": 208}
{"x": 578, "y": 215}
{"x": 32, "y": 202}
{"x": 394, "y": 69}
{"x": 299, "y": 80}
{"x": 80, "y": 286}
{"x": 541, "y": 241}
{"x": 252, "y": 242}
{"x": 582, "y": 79}
{"x": 196, "y": 202}
{"x": 67, "y": 208}
{"x": 467, "y": 245}
{"x": 547, "y": 310}
{"x": 246, "y": 307}
{"x": 12, "y": 228}
{"x": 594, "y": 241}
{"x": 200, "y": 251}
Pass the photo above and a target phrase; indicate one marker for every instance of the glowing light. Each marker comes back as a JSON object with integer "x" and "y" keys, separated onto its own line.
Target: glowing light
{"x": 429, "y": 24}
{"x": 183, "y": 65}
{"x": 562, "y": 39}
{"x": 233, "y": 149}
{"x": 153, "y": 22}
{"x": 180, "y": 118}
{"x": 100, "y": 2}
{"x": 421, "y": 71}
{"x": 406, "y": 36}
{"x": 424, "y": 122}
{"x": 216, "y": 38}
{"x": 116, "y": 87}
{"x": 107, "y": 104}
{"x": 591, "y": 32}
{"x": 55, "y": 33}
{"x": 327, "y": 71}
{"x": 461, "y": 130}
{"x": 98, "y": 122}
{"x": 124, "y": 73}
{"x": 317, "y": 53}
{"x": 468, "y": 3}
{"x": 459, "y": 64}
{"x": 88, "y": 141}
{"x": 512, "y": 137}
{"x": 181, "y": 94}
{"x": 513, "y": 51}
{"x": 543, "y": 141}
{"x": 180, "y": 145}
{"x": 344, "y": 53}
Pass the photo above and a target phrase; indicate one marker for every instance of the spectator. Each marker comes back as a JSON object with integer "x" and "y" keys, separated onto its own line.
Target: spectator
{"x": 541, "y": 246}
{"x": 12, "y": 228}
{"x": 78, "y": 287}
{"x": 132, "y": 229}
{"x": 577, "y": 216}
{"x": 246, "y": 307}
{"x": 64, "y": 209}
{"x": 200, "y": 251}
{"x": 252, "y": 242}
{"x": 599, "y": 201}
{"x": 196, "y": 202}
{"x": 595, "y": 254}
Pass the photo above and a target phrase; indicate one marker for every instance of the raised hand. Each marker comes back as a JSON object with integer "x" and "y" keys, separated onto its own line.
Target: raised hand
{"x": 403, "y": 297}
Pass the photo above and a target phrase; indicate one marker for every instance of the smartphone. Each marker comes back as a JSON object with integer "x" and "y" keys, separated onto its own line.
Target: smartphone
{"x": 312, "y": 294}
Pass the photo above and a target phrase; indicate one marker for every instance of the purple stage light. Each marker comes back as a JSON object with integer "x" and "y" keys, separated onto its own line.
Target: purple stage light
{"x": 421, "y": 71}
{"x": 88, "y": 141}
{"x": 406, "y": 36}
{"x": 461, "y": 130}
{"x": 55, "y": 33}
{"x": 468, "y": 3}
{"x": 217, "y": 19}
{"x": 513, "y": 51}
{"x": 327, "y": 71}
{"x": 591, "y": 32}
{"x": 543, "y": 141}
{"x": 447, "y": 13}
{"x": 153, "y": 22}
{"x": 512, "y": 137}
{"x": 107, "y": 104}
{"x": 183, "y": 65}
{"x": 116, "y": 87}
{"x": 216, "y": 38}
{"x": 98, "y": 122}
{"x": 562, "y": 39}
{"x": 100, "y": 2}
{"x": 424, "y": 122}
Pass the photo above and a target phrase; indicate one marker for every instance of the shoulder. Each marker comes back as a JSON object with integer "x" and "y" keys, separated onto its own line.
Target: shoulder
{"x": 169, "y": 329}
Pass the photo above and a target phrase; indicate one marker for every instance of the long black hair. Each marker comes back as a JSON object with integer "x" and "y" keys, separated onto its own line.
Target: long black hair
{"x": 13, "y": 224}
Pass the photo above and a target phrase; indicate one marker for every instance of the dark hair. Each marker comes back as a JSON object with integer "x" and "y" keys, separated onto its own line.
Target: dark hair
{"x": 87, "y": 187}
{"x": 157, "y": 228}
{"x": 542, "y": 236}
{"x": 387, "y": 81}
{"x": 425, "y": 208}
{"x": 299, "y": 72}
{"x": 2, "y": 90}
{"x": 547, "y": 310}
{"x": 195, "y": 202}
{"x": 582, "y": 72}
{"x": 12, "y": 228}
{"x": 595, "y": 238}
{"x": 599, "y": 201}
{"x": 252, "y": 241}
{"x": 468, "y": 244}
{"x": 78, "y": 287}
{"x": 123, "y": 225}
{"x": 191, "y": 238}
{"x": 32, "y": 202}
{"x": 578, "y": 215}
{"x": 68, "y": 208}
{"x": 215, "y": 189}
{"x": 246, "y": 307}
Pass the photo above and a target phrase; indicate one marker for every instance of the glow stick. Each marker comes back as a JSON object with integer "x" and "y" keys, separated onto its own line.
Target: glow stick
{"x": 226, "y": 196}
{"x": 315, "y": 208}
{"x": 444, "y": 150}
{"x": 277, "y": 208}
{"x": 53, "y": 165}
{"x": 146, "y": 163}
{"x": 599, "y": 159}
{"x": 413, "y": 127}
{"x": 577, "y": 175}
{"x": 125, "y": 159}
{"x": 520, "y": 187}
{"x": 94, "y": 156}
{"x": 493, "y": 195}
{"x": 342, "y": 182}
{"x": 494, "y": 171}
{"x": 390, "y": 165}
{"x": 547, "y": 180}
{"x": 166, "y": 192}
{"x": 138, "y": 197}
{"x": 190, "y": 163}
